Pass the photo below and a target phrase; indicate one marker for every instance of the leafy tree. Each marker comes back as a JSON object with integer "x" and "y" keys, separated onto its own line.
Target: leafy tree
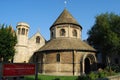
{"x": 105, "y": 34}
{"x": 8, "y": 41}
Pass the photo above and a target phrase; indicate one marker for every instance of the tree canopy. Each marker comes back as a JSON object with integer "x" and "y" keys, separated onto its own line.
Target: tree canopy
{"x": 105, "y": 34}
{"x": 8, "y": 41}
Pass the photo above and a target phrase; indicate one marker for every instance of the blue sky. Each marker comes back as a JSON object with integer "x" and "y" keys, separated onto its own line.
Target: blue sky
{"x": 41, "y": 14}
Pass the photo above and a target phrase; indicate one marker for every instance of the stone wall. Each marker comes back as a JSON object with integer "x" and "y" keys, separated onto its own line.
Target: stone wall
{"x": 68, "y": 31}
{"x": 116, "y": 77}
{"x": 65, "y": 66}
{"x": 71, "y": 62}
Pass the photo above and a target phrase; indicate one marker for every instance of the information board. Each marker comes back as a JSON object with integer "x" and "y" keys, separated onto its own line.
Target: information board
{"x": 18, "y": 69}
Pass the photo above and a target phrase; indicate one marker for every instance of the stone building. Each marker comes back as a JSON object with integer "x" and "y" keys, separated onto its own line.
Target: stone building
{"x": 25, "y": 46}
{"x": 65, "y": 53}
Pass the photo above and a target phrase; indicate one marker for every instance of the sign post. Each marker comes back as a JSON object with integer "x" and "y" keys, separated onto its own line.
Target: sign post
{"x": 0, "y": 71}
{"x": 36, "y": 72}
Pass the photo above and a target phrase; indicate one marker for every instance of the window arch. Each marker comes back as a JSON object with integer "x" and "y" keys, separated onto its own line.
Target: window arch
{"x": 19, "y": 30}
{"x": 52, "y": 34}
{"x": 62, "y": 32}
{"x": 74, "y": 32}
{"x": 23, "y": 31}
{"x": 58, "y": 57}
{"x": 38, "y": 39}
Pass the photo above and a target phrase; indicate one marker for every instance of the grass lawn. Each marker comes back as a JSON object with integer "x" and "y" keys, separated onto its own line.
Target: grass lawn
{"x": 46, "y": 77}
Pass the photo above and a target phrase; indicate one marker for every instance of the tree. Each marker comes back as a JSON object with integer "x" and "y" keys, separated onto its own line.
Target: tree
{"x": 105, "y": 34}
{"x": 8, "y": 41}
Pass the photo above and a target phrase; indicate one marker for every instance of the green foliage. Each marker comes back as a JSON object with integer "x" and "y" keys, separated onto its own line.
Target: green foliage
{"x": 105, "y": 34}
{"x": 99, "y": 75}
{"x": 8, "y": 41}
{"x": 114, "y": 68}
{"x": 83, "y": 78}
{"x": 102, "y": 74}
{"x": 93, "y": 76}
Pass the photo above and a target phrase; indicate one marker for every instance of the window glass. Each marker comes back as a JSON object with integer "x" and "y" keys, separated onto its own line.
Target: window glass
{"x": 58, "y": 57}
{"x": 18, "y": 30}
{"x": 74, "y": 33}
{"x": 62, "y": 32}
{"x": 52, "y": 34}
{"x": 38, "y": 39}
{"x": 23, "y": 31}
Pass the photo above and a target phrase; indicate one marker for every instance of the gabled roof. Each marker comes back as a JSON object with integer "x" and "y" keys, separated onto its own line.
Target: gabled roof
{"x": 66, "y": 44}
{"x": 37, "y": 34}
{"x": 65, "y": 18}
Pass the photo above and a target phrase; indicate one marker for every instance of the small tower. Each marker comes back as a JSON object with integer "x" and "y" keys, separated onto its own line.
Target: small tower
{"x": 22, "y": 44}
{"x": 66, "y": 26}
{"x": 22, "y": 33}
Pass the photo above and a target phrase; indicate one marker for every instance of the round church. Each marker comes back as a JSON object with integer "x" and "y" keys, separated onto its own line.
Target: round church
{"x": 65, "y": 53}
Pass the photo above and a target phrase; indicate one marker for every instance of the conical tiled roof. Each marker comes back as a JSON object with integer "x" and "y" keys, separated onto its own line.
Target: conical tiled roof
{"x": 65, "y": 18}
{"x": 66, "y": 44}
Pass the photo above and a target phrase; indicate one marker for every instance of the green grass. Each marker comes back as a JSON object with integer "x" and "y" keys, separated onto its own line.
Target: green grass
{"x": 46, "y": 77}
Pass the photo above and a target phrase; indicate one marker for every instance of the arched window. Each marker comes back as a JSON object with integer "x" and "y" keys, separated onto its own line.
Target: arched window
{"x": 62, "y": 32}
{"x": 38, "y": 39}
{"x": 52, "y": 34}
{"x": 58, "y": 57}
{"x": 74, "y": 32}
{"x": 23, "y": 31}
{"x": 18, "y": 30}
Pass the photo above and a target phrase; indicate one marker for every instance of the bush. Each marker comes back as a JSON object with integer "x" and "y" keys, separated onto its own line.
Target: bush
{"x": 93, "y": 76}
{"x": 102, "y": 74}
{"x": 96, "y": 75}
{"x": 83, "y": 78}
{"x": 115, "y": 68}
{"x": 111, "y": 70}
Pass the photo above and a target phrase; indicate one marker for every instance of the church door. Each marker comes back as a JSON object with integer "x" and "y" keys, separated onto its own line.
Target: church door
{"x": 87, "y": 66}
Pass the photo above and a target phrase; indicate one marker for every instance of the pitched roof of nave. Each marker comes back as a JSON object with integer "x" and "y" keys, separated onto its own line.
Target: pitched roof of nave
{"x": 65, "y": 18}
{"x": 66, "y": 44}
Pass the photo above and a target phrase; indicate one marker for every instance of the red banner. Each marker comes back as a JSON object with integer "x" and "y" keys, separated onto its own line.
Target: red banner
{"x": 18, "y": 69}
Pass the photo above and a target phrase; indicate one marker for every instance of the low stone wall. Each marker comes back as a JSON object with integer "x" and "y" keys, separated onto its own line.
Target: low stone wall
{"x": 116, "y": 77}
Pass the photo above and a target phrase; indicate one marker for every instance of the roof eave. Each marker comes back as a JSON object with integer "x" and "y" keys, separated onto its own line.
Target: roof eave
{"x": 65, "y": 23}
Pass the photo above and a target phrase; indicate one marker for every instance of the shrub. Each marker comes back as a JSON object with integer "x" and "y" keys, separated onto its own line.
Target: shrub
{"x": 102, "y": 74}
{"x": 93, "y": 76}
{"x": 83, "y": 78}
{"x": 115, "y": 68}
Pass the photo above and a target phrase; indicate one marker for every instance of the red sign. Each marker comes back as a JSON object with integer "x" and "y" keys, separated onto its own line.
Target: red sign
{"x": 18, "y": 69}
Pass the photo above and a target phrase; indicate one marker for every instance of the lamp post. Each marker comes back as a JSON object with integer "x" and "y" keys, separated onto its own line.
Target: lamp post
{"x": 108, "y": 59}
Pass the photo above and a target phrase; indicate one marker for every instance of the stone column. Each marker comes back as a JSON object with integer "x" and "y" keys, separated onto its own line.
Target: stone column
{"x": 83, "y": 67}
{"x": 43, "y": 64}
{"x": 75, "y": 63}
